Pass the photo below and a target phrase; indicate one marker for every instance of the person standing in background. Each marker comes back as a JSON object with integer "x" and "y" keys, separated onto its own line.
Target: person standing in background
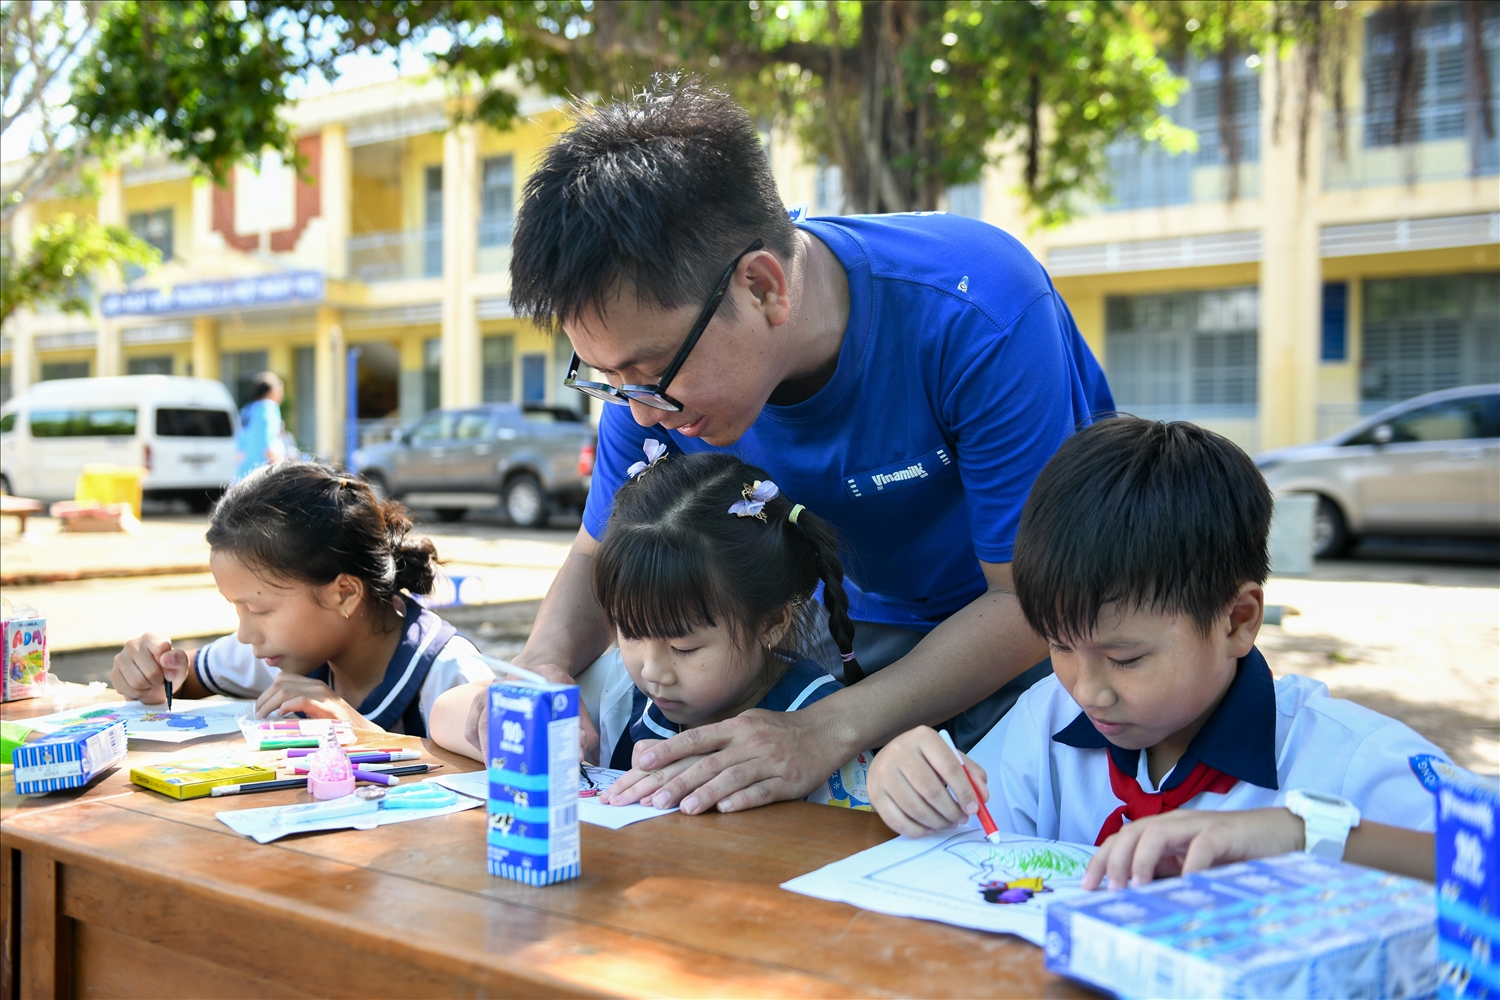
{"x": 261, "y": 440}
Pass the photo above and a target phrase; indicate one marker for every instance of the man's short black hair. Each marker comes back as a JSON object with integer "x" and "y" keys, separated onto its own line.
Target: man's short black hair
{"x": 659, "y": 192}
{"x": 1161, "y": 516}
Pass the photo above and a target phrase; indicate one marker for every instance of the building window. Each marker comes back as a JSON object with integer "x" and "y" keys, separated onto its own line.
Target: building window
{"x": 562, "y": 353}
{"x": 828, "y": 189}
{"x": 1437, "y": 40}
{"x": 156, "y": 229}
{"x": 64, "y": 369}
{"x": 497, "y": 202}
{"x": 534, "y": 378}
{"x": 432, "y": 373}
{"x": 1143, "y": 175}
{"x": 967, "y": 199}
{"x": 1186, "y": 355}
{"x": 4, "y": 384}
{"x": 238, "y": 369}
{"x": 1429, "y": 333}
{"x": 149, "y": 366}
{"x": 499, "y": 355}
{"x": 432, "y": 208}
{"x": 305, "y": 413}
{"x": 1335, "y": 321}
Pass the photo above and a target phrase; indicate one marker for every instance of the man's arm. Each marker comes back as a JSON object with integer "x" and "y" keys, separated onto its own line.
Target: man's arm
{"x": 569, "y": 634}
{"x": 762, "y": 757}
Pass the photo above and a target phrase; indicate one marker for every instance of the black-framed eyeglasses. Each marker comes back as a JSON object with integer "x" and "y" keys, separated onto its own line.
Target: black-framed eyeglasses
{"x": 656, "y": 395}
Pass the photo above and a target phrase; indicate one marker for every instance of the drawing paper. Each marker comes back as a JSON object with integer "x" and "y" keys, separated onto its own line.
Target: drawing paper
{"x": 216, "y": 716}
{"x": 590, "y": 810}
{"x": 942, "y": 877}
{"x": 259, "y": 823}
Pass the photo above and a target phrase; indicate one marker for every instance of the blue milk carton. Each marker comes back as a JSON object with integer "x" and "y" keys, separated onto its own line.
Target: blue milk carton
{"x": 1468, "y": 879}
{"x": 533, "y": 764}
{"x": 69, "y": 758}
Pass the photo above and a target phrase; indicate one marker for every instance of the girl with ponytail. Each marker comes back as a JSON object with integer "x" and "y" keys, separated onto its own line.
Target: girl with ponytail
{"x": 704, "y": 572}
{"x": 322, "y": 574}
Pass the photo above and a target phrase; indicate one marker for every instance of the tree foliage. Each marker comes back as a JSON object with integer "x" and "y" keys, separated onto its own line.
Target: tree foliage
{"x": 62, "y": 257}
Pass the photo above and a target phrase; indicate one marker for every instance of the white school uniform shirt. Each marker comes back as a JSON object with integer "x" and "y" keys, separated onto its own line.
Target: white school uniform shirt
{"x": 431, "y": 658}
{"x": 1049, "y": 773}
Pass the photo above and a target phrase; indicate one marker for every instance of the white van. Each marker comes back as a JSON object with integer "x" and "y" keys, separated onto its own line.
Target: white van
{"x": 182, "y": 430}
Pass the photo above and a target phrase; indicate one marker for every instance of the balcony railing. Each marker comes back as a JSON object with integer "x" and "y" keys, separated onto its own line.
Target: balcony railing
{"x": 397, "y": 254}
{"x": 1449, "y": 144}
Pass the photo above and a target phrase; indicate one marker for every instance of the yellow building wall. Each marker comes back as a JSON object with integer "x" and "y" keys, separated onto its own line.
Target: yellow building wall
{"x": 376, "y": 204}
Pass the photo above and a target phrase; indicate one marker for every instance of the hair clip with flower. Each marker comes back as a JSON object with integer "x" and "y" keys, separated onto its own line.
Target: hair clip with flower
{"x": 655, "y": 451}
{"x": 756, "y": 496}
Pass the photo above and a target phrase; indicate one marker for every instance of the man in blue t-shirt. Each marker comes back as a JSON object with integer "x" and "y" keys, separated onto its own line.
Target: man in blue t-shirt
{"x": 904, "y": 376}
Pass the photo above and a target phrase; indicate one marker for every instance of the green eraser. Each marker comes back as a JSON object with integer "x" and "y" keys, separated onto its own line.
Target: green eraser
{"x": 12, "y": 735}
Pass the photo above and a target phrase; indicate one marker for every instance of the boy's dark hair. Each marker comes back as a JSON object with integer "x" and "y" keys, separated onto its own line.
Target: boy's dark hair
{"x": 674, "y": 559}
{"x": 308, "y": 522}
{"x": 1162, "y": 516}
{"x": 263, "y": 385}
{"x": 659, "y": 193}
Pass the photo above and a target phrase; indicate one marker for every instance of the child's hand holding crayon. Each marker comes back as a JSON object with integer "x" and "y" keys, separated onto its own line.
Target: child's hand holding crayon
{"x": 141, "y": 669}
{"x": 918, "y": 786}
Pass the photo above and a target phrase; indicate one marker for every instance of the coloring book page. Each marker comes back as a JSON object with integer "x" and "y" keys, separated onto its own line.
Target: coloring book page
{"x": 957, "y": 878}
{"x": 591, "y": 782}
{"x": 190, "y": 719}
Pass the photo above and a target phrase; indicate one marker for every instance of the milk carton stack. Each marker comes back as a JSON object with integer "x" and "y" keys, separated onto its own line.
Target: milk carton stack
{"x": 1289, "y": 926}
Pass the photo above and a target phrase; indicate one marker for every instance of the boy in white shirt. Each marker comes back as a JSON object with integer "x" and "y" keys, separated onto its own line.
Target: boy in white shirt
{"x": 1141, "y": 556}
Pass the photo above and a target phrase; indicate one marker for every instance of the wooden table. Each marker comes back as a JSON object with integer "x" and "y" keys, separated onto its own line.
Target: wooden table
{"x": 123, "y": 892}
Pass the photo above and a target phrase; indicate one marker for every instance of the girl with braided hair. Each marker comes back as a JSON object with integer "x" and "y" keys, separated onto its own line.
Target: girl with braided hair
{"x": 704, "y": 574}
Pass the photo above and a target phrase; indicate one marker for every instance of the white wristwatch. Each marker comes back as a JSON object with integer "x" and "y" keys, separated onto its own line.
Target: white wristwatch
{"x": 1328, "y": 820}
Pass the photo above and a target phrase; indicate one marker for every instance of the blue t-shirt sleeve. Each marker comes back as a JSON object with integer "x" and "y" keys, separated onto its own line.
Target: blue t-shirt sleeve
{"x": 620, "y": 443}
{"x": 1010, "y": 401}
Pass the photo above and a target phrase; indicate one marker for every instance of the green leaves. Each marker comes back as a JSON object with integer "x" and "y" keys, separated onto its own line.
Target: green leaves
{"x": 63, "y": 256}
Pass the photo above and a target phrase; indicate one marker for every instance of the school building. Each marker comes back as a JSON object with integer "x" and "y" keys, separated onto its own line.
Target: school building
{"x": 1342, "y": 276}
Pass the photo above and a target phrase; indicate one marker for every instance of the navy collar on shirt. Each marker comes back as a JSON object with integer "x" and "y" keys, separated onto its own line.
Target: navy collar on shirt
{"x": 398, "y": 695}
{"x": 1238, "y": 739}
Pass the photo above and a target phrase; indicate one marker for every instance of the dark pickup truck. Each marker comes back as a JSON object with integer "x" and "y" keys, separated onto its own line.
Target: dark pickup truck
{"x": 530, "y": 460}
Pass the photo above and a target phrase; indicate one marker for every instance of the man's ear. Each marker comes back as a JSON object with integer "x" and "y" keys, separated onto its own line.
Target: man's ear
{"x": 769, "y": 286}
{"x": 1245, "y": 613}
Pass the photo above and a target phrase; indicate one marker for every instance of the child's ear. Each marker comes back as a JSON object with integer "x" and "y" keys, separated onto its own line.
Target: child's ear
{"x": 1245, "y": 613}
{"x": 345, "y": 594}
{"x": 777, "y": 628}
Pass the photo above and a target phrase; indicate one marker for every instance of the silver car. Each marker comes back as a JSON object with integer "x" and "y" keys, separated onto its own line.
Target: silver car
{"x": 1426, "y": 466}
{"x": 531, "y": 460}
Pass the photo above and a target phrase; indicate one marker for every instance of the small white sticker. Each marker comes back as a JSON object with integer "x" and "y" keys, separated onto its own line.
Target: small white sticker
{"x": 46, "y": 772}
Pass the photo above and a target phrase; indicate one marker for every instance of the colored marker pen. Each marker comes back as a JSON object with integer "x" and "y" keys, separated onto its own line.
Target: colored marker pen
{"x": 991, "y": 831}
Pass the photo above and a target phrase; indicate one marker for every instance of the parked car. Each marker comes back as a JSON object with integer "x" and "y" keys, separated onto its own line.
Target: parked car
{"x": 530, "y": 460}
{"x": 182, "y": 430}
{"x": 1426, "y": 466}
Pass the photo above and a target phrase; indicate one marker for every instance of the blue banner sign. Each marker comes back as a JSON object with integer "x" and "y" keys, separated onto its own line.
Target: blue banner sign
{"x": 218, "y": 296}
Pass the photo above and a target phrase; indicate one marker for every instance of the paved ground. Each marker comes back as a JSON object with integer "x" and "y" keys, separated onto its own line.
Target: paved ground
{"x": 1409, "y": 630}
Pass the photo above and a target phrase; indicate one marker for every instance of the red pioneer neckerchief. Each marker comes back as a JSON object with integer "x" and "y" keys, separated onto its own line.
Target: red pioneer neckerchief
{"x": 1140, "y": 803}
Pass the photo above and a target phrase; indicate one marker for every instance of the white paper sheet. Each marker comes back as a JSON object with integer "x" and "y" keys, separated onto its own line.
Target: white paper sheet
{"x": 590, "y": 809}
{"x": 189, "y": 719}
{"x": 943, "y": 877}
{"x": 257, "y": 823}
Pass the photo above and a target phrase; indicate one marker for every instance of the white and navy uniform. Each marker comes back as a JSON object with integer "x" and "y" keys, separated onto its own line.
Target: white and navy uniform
{"x": 431, "y": 658}
{"x": 1049, "y": 773}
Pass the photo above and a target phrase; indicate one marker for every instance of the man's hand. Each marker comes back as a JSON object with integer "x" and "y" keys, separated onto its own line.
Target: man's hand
{"x": 637, "y": 785}
{"x": 756, "y": 758}
{"x": 918, "y": 787}
{"x": 141, "y": 667}
{"x": 294, "y": 693}
{"x": 1190, "y": 840}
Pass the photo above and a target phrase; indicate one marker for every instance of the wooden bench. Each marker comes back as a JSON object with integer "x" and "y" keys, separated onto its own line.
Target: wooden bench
{"x": 21, "y": 507}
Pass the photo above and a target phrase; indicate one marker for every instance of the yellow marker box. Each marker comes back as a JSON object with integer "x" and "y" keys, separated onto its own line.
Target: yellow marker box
{"x": 193, "y": 779}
